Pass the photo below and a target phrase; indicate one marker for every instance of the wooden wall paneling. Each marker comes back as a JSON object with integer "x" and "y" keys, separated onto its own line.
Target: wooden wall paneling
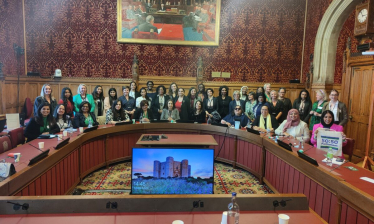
{"x": 334, "y": 209}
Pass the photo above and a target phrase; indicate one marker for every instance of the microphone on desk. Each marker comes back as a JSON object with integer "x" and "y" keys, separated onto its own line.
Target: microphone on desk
{"x": 17, "y": 206}
{"x": 282, "y": 203}
{"x": 35, "y": 147}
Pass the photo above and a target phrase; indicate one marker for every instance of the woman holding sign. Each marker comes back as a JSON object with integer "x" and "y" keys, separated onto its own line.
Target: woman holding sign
{"x": 327, "y": 123}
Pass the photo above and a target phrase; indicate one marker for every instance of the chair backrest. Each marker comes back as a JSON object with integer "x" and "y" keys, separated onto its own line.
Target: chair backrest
{"x": 349, "y": 147}
{"x": 17, "y": 137}
{"x": 28, "y": 108}
{"x": 2, "y": 124}
{"x": 5, "y": 144}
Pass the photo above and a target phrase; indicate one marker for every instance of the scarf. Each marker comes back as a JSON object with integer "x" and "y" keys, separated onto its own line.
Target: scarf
{"x": 290, "y": 123}
{"x": 268, "y": 122}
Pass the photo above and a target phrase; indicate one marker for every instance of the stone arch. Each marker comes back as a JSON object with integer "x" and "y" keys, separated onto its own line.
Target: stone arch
{"x": 327, "y": 39}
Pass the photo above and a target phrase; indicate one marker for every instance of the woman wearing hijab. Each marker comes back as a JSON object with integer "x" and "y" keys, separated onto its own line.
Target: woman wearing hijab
{"x": 294, "y": 126}
{"x": 327, "y": 122}
{"x": 266, "y": 121}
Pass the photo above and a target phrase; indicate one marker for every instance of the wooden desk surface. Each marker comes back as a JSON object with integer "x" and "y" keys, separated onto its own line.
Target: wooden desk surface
{"x": 109, "y": 144}
{"x": 181, "y": 139}
{"x": 161, "y": 218}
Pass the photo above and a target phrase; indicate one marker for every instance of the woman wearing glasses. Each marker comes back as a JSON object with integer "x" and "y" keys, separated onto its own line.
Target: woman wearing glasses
{"x": 237, "y": 114}
{"x": 84, "y": 117}
{"x": 144, "y": 114}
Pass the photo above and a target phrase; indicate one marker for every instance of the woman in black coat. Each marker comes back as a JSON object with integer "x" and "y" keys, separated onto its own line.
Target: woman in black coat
{"x": 42, "y": 123}
{"x": 84, "y": 117}
{"x": 223, "y": 101}
{"x": 210, "y": 103}
{"x": 182, "y": 105}
{"x": 198, "y": 114}
{"x": 304, "y": 105}
{"x": 144, "y": 114}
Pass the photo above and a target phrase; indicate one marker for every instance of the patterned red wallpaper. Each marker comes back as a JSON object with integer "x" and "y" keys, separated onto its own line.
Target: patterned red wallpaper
{"x": 260, "y": 41}
{"x": 11, "y": 32}
{"x": 316, "y": 10}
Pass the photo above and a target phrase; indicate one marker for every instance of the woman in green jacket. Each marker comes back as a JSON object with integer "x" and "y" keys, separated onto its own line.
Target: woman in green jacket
{"x": 81, "y": 97}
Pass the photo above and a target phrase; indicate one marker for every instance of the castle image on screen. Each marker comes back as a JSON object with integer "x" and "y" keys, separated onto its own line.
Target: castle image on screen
{"x": 171, "y": 168}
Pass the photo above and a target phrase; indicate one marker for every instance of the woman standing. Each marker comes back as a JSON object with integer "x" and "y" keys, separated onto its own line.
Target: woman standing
{"x": 201, "y": 93}
{"x": 249, "y": 105}
{"x": 62, "y": 119}
{"x": 170, "y": 113}
{"x": 223, "y": 101}
{"x": 84, "y": 117}
{"x": 210, "y": 103}
{"x": 151, "y": 93}
{"x": 82, "y": 96}
{"x": 133, "y": 90}
{"x": 303, "y": 104}
{"x": 261, "y": 101}
{"x": 287, "y": 105}
{"x": 45, "y": 96}
{"x": 143, "y": 96}
{"x": 276, "y": 106}
{"x": 67, "y": 101}
{"x": 244, "y": 93}
{"x": 173, "y": 94}
{"x": 182, "y": 105}
{"x": 108, "y": 101}
{"x": 339, "y": 109}
{"x": 116, "y": 113}
{"x": 267, "y": 88}
{"x": 236, "y": 102}
{"x": 317, "y": 108}
{"x": 159, "y": 102}
{"x": 42, "y": 123}
{"x": 98, "y": 97}
{"x": 192, "y": 97}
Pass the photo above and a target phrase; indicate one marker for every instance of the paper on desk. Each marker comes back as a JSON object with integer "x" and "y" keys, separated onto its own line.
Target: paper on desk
{"x": 367, "y": 179}
{"x": 334, "y": 161}
{"x": 12, "y": 121}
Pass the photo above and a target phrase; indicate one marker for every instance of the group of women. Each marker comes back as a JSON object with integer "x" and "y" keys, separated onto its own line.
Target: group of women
{"x": 265, "y": 109}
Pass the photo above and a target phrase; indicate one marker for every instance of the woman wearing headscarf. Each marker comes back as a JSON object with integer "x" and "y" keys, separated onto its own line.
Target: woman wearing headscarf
{"x": 294, "y": 126}
{"x": 327, "y": 122}
{"x": 266, "y": 121}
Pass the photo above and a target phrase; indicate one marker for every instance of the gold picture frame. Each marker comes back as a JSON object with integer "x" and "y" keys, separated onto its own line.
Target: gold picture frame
{"x": 176, "y": 23}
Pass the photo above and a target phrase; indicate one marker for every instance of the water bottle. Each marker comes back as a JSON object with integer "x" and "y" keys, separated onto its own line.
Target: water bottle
{"x": 90, "y": 123}
{"x": 302, "y": 142}
{"x": 233, "y": 211}
{"x": 329, "y": 157}
{"x": 141, "y": 118}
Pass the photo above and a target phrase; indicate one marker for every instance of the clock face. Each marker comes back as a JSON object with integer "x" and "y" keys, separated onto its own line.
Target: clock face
{"x": 362, "y": 15}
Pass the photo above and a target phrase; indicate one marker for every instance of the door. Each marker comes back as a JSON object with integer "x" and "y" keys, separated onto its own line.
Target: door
{"x": 359, "y": 107}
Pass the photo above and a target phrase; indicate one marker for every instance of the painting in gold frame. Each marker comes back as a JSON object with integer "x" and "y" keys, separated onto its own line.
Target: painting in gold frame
{"x": 174, "y": 22}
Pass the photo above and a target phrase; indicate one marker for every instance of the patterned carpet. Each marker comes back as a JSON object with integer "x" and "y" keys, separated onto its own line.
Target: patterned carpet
{"x": 117, "y": 180}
